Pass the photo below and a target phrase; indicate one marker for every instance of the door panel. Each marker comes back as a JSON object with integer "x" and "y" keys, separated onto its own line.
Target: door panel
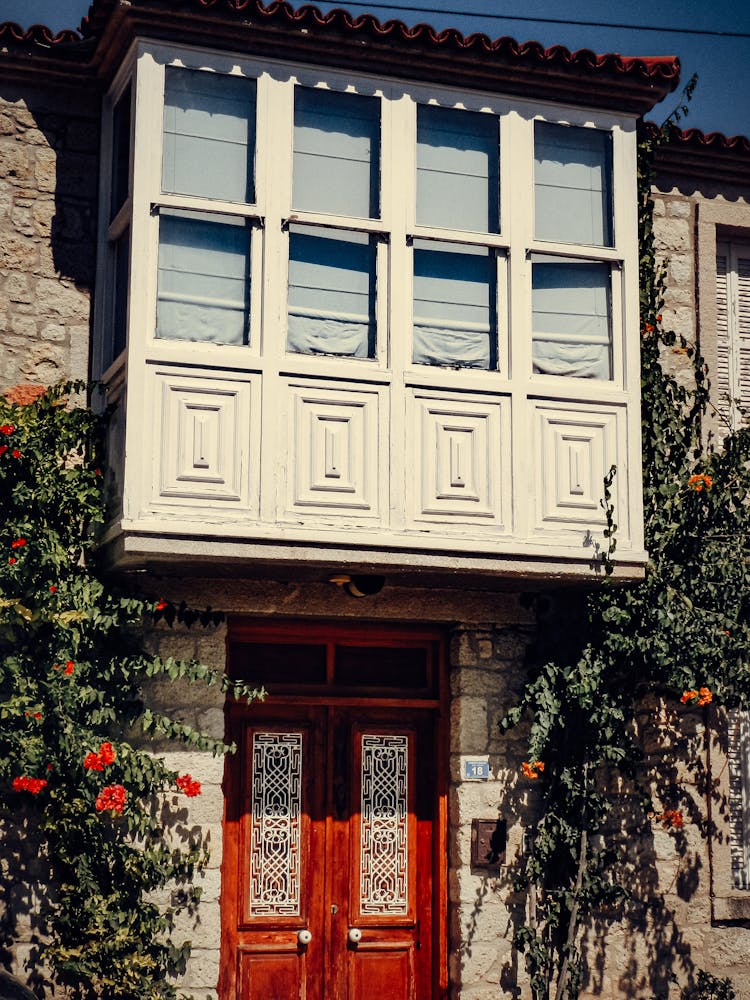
{"x": 330, "y": 830}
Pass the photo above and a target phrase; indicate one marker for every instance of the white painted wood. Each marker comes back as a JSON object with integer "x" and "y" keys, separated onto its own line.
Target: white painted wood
{"x": 381, "y": 452}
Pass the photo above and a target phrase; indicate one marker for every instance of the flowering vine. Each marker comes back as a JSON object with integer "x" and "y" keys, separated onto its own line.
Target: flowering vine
{"x": 76, "y": 777}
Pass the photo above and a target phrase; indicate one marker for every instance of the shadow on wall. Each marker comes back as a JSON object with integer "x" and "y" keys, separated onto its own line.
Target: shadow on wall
{"x": 49, "y": 152}
{"x": 640, "y": 948}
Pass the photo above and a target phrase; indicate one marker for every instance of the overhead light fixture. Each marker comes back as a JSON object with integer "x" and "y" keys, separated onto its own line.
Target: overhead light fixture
{"x": 366, "y": 585}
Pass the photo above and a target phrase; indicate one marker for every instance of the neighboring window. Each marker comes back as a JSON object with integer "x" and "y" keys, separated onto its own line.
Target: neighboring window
{"x": 732, "y": 382}
{"x": 739, "y": 796}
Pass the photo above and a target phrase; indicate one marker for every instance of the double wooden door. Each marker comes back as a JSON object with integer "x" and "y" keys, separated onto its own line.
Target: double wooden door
{"x": 330, "y": 854}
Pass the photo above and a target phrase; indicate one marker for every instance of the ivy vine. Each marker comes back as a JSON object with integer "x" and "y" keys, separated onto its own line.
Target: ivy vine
{"x": 681, "y": 638}
{"x": 83, "y": 803}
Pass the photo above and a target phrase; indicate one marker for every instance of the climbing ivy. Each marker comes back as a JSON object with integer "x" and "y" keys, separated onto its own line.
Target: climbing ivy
{"x": 680, "y": 637}
{"x": 84, "y": 805}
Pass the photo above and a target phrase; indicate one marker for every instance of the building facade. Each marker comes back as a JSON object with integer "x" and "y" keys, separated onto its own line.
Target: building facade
{"x": 366, "y": 299}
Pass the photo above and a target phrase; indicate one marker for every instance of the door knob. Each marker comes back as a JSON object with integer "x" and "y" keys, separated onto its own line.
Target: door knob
{"x": 304, "y": 936}
{"x": 355, "y": 935}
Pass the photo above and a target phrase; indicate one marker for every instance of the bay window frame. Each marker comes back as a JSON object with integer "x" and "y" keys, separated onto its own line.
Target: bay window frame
{"x": 272, "y": 214}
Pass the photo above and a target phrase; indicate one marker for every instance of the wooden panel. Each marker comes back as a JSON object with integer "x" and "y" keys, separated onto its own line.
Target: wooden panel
{"x": 208, "y": 448}
{"x": 576, "y": 446}
{"x": 461, "y": 459}
{"x": 271, "y": 975}
{"x": 335, "y": 446}
{"x": 385, "y": 973}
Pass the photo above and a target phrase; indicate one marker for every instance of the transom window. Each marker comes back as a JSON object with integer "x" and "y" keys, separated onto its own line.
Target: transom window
{"x": 301, "y": 218}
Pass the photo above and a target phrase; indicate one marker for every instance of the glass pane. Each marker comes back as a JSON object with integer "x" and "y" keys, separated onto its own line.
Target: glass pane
{"x": 457, "y": 169}
{"x": 209, "y": 135}
{"x": 331, "y": 292}
{"x": 336, "y": 153}
{"x": 381, "y": 667}
{"x": 571, "y": 319}
{"x": 276, "y": 825}
{"x": 573, "y": 184}
{"x": 120, "y": 181}
{"x": 120, "y": 312}
{"x": 454, "y": 305}
{"x": 204, "y": 285}
{"x": 279, "y": 662}
{"x": 384, "y": 825}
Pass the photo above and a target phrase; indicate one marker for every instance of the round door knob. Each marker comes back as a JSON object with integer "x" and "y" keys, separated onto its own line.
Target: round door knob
{"x": 355, "y": 935}
{"x": 304, "y": 936}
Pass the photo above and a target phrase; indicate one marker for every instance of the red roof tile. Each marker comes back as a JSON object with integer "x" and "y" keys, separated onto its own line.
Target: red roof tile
{"x": 660, "y": 70}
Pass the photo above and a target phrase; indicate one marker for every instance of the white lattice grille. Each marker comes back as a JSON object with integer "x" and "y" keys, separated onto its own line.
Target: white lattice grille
{"x": 384, "y": 878}
{"x": 275, "y": 855}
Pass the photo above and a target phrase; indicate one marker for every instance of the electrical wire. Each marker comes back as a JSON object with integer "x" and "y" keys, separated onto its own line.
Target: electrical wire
{"x": 543, "y": 20}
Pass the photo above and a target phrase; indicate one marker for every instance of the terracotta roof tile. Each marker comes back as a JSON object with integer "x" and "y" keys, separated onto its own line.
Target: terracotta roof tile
{"x": 665, "y": 69}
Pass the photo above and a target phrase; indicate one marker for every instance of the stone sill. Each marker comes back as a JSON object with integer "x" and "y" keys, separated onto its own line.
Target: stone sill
{"x": 733, "y": 908}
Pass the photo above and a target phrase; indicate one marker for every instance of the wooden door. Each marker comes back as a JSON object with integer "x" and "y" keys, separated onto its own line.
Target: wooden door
{"x": 329, "y": 854}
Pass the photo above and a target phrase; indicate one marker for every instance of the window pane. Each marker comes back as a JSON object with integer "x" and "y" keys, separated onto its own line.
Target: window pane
{"x": 457, "y": 169}
{"x": 331, "y": 292}
{"x": 573, "y": 184}
{"x": 571, "y": 319}
{"x": 454, "y": 305}
{"x": 120, "y": 312}
{"x": 209, "y": 135}
{"x": 120, "y": 182}
{"x": 204, "y": 286}
{"x": 336, "y": 153}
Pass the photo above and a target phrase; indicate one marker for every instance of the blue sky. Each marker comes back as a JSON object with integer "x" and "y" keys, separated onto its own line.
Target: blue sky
{"x": 711, "y": 38}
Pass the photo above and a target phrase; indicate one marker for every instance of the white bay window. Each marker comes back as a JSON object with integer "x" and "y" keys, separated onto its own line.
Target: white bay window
{"x": 382, "y": 273}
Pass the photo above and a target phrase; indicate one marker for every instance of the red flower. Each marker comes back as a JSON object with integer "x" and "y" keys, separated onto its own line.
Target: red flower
{"x": 91, "y": 762}
{"x": 97, "y": 472}
{"x": 26, "y": 784}
{"x": 18, "y": 544}
{"x": 12, "y": 560}
{"x": 16, "y": 453}
{"x": 7, "y": 428}
{"x": 700, "y": 482}
{"x": 187, "y": 785}
{"x": 161, "y": 605}
{"x": 33, "y": 715}
{"x": 107, "y": 754}
{"x": 3, "y": 449}
{"x": 112, "y": 797}
{"x": 53, "y": 589}
{"x": 69, "y": 667}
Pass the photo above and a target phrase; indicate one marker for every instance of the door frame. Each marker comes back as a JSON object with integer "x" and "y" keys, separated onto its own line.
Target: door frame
{"x": 371, "y": 634}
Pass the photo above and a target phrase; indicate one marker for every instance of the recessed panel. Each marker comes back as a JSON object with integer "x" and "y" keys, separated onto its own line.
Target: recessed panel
{"x": 462, "y": 454}
{"x": 206, "y": 439}
{"x": 334, "y": 444}
{"x": 577, "y": 447}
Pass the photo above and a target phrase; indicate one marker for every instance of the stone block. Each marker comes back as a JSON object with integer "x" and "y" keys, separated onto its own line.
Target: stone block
{"x": 468, "y": 724}
{"x": 202, "y": 969}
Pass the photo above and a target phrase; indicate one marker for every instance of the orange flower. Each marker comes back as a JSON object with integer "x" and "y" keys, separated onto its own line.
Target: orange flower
{"x": 702, "y": 696}
{"x": 700, "y": 482}
{"x": 107, "y": 754}
{"x": 69, "y": 667}
{"x": 532, "y": 770}
{"x": 161, "y": 605}
{"x": 91, "y": 762}
{"x": 705, "y": 696}
{"x": 671, "y": 819}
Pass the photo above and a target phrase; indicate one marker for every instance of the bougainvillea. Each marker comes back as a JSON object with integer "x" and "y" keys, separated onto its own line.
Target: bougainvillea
{"x": 77, "y": 782}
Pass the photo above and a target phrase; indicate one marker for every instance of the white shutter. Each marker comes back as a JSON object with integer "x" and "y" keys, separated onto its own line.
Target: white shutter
{"x": 742, "y": 326}
{"x": 723, "y": 379}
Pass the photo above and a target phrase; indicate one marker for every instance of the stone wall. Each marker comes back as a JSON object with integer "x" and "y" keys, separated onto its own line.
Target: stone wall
{"x": 49, "y": 144}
